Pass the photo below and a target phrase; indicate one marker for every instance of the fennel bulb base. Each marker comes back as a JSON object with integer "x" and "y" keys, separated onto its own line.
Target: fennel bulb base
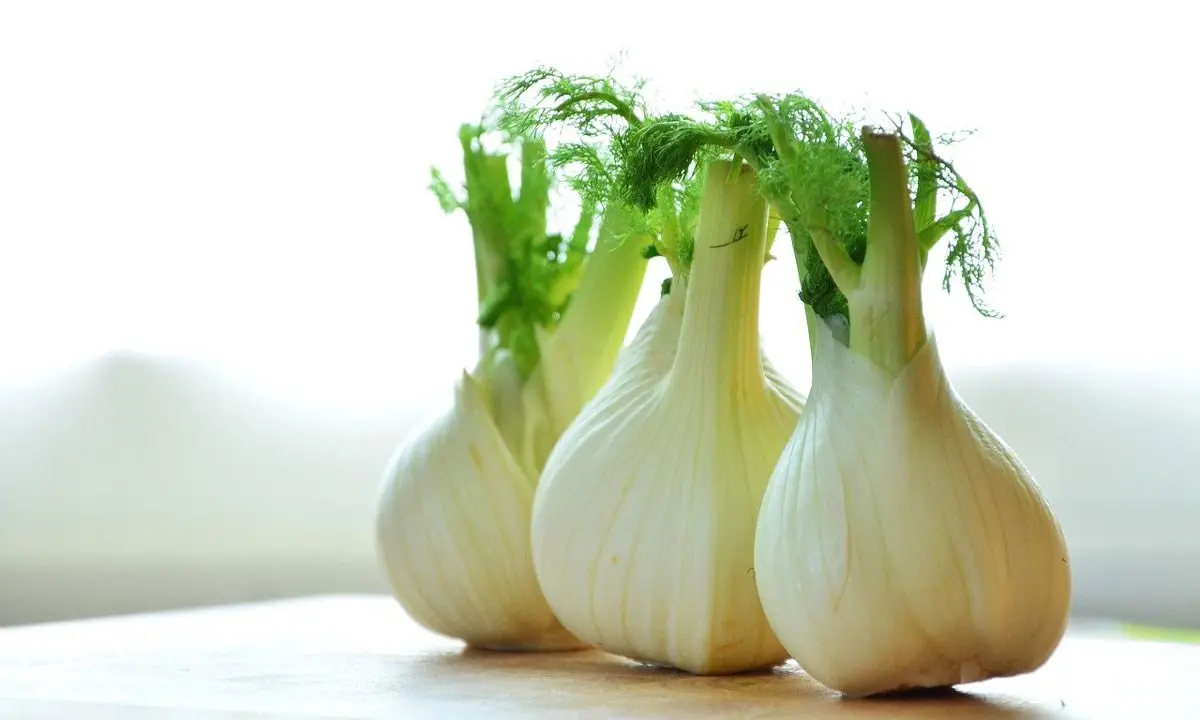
{"x": 941, "y": 676}
{"x": 644, "y": 519}
{"x": 452, "y": 533}
{"x": 901, "y": 543}
{"x": 712, "y": 667}
{"x": 555, "y": 639}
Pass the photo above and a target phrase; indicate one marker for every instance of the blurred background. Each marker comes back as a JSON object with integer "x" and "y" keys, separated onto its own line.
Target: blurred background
{"x": 226, "y": 294}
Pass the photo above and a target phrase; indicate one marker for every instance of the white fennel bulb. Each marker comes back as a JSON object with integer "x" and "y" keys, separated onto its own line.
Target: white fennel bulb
{"x": 901, "y": 543}
{"x": 454, "y": 532}
{"x": 453, "y": 516}
{"x": 643, "y": 522}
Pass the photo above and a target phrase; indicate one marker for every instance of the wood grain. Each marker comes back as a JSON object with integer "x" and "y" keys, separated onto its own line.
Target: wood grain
{"x": 361, "y": 657}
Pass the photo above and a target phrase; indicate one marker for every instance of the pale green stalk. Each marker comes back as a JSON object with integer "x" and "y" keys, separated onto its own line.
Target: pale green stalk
{"x": 887, "y": 322}
{"x": 602, "y": 305}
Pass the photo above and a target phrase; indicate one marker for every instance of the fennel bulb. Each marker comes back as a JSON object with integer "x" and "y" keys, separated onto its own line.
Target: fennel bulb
{"x": 643, "y": 522}
{"x": 901, "y": 543}
{"x": 454, "y": 511}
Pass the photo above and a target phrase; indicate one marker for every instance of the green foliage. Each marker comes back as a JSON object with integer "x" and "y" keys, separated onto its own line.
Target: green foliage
{"x": 817, "y": 178}
{"x": 588, "y": 103}
{"x": 662, "y": 151}
{"x": 973, "y": 253}
{"x": 810, "y": 164}
{"x": 524, "y": 275}
{"x": 607, "y": 118}
{"x": 823, "y": 173}
{"x": 594, "y": 107}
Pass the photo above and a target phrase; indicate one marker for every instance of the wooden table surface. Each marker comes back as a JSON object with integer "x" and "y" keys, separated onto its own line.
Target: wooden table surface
{"x": 360, "y": 657}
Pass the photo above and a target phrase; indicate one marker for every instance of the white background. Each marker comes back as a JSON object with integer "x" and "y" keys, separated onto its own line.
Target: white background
{"x": 226, "y": 294}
